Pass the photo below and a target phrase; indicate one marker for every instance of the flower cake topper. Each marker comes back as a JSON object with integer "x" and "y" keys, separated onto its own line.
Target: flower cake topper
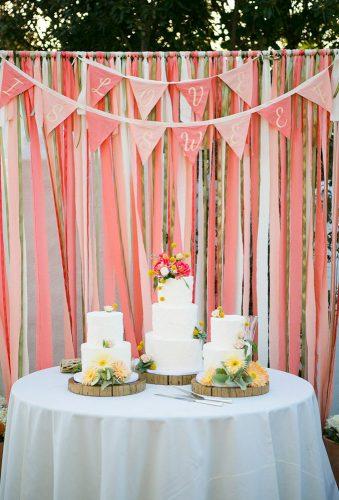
{"x": 167, "y": 266}
{"x": 111, "y": 308}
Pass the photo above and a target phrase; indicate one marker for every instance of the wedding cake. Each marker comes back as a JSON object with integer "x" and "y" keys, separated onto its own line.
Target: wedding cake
{"x": 171, "y": 344}
{"x": 105, "y": 340}
{"x": 228, "y": 339}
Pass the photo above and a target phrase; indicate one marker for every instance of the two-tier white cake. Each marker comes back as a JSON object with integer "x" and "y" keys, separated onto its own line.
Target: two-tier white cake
{"x": 227, "y": 339}
{"x": 105, "y": 328}
{"x": 174, "y": 317}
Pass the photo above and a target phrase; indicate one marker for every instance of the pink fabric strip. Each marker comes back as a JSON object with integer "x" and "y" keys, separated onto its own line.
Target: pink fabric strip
{"x": 274, "y": 256}
{"x": 282, "y": 326}
{"x": 296, "y": 188}
{"x": 4, "y": 306}
{"x": 44, "y": 348}
{"x": 15, "y": 268}
{"x": 247, "y": 230}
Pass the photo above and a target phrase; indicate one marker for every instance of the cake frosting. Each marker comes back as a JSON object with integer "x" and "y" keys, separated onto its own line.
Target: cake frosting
{"x": 174, "y": 318}
{"x": 227, "y": 339}
{"x": 105, "y": 340}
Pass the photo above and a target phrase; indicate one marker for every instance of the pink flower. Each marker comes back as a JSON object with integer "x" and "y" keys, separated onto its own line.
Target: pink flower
{"x": 183, "y": 269}
{"x": 161, "y": 262}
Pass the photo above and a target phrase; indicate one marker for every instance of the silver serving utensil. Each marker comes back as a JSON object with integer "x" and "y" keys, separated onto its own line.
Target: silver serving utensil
{"x": 206, "y": 398}
{"x": 189, "y": 399}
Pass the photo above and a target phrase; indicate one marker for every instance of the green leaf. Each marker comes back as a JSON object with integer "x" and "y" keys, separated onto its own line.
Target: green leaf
{"x": 108, "y": 374}
{"x": 220, "y": 378}
{"x": 220, "y": 370}
{"x": 106, "y": 384}
{"x": 96, "y": 380}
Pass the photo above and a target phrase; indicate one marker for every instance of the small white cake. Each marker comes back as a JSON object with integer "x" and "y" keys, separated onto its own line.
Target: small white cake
{"x": 227, "y": 334}
{"x": 174, "y": 317}
{"x": 105, "y": 328}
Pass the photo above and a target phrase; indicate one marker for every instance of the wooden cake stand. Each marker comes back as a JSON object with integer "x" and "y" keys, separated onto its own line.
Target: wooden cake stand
{"x": 228, "y": 392}
{"x": 158, "y": 379}
{"x": 111, "y": 391}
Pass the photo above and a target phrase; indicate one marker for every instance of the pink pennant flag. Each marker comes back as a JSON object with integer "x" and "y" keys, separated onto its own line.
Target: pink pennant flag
{"x": 319, "y": 90}
{"x": 190, "y": 139}
{"x": 13, "y": 84}
{"x": 100, "y": 82}
{"x": 235, "y": 133}
{"x": 56, "y": 110}
{"x": 99, "y": 128}
{"x": 279, "y": 116}
{"x": 146, "y": 137}
{"x": 196, "y": 94}
{"x": 147, "y": 95}
{"x": 240, "y": 80}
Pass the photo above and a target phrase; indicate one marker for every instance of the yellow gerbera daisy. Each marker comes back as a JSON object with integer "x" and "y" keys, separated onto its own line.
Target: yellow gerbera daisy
{"x": 234, "y": 364}
{"x": 258, "y": 374}
{"x": 120, "y": 370}
{"x": 102, "y": 360}
{"x": 89, "y": 375}
{"x": 207, "y": 378}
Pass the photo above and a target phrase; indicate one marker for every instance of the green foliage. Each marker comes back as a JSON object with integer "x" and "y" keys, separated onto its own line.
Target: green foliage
{"x": 124, "y": 25}
{"x": 106, "y": 377}
{"x": 241, "y": 378}
{"x": 143, "y": 366}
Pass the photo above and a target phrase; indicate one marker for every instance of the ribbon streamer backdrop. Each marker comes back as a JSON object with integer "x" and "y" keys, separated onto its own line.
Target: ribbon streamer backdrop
{"x": 124, "y": 211}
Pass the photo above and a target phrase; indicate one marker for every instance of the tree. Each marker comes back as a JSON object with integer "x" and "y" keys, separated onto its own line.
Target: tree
{"x": 135, "y": 25}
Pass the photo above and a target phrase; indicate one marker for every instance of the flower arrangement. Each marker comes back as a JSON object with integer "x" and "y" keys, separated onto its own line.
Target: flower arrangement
{"x": 115, "y": 373}
{"x": 218, "y": 312}
{"x": 145, "y": 363}
{"x": 107, "y": 344}
{"x": 167, "y": 266}
{"x": 199, "y": 333}
{"x": 237, "y": 370}
{"x": 331, "y": 429}
{"x": 111, "y": 308}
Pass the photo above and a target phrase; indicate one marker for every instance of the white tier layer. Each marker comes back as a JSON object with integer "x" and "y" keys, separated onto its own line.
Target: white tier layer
{"x": 214, "y": 355}
{"x": 177, "y": 291}
{"x": 174, "y": 355}
{"x": 102, "y": 325}
{"x": 174, "y": 322}
{"x": 91, "y": 354}
{"x": 225, "y": 331}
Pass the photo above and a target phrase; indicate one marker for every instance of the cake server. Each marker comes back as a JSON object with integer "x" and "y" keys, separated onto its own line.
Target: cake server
{"x": 206, "y": 398}
{"x": 189, "y": 399}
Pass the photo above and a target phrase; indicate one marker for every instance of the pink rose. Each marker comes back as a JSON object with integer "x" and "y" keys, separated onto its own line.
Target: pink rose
{"x": 183, "y": 269}
{"x": 161, "y": 262}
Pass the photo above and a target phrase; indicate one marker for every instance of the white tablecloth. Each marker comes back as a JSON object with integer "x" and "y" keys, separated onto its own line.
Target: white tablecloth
{"x": 63, "y": 446}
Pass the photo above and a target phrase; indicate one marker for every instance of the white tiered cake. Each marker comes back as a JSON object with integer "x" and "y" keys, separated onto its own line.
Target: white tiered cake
{"x": 105, "y": 328}
{"x": 227, "y": 339}
{"x": 174, "y": 317}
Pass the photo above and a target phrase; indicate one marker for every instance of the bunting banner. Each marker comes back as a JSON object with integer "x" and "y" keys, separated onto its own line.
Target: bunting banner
{"x": 55, "y": 110}
{"x": 100, "y": 82}
{"x": 190, "y": 139}
{"x": 235, "y": 132}
{"x": 240, "y": 80}
{"x": 244, "y": 178}
{"x": 147, "y": 95}
{"x": 146, "y": 138}
{"x": 196, "y": 94}
{"x": 99, "y": 128}
{"x": 12, "y": 83}
{"x": 279, "y": 116}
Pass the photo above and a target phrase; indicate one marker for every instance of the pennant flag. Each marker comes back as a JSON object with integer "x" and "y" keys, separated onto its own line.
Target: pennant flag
{"x": 99, "y": 128}
{"x": 146, "y": 138}
{"x": 240, "y": 80}
{"x": 56, "y": 110}
{"x": 190, "y": 139}
{"x": 318, "y": 90}
{"x": 196, "y": 94}
{"x": 235, "y": 133}
{"x": 100, "y": 82}
{"x": 13, "y": 84}
{"x": 147, "y": 95}
{"x": 279, "y": 116}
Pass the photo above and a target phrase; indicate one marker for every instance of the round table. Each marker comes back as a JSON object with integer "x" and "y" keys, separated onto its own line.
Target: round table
{"x": 63, "y": 446}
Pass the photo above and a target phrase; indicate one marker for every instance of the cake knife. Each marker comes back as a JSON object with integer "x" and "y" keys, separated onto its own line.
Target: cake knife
{"x": 205, "y": 398}
{"x": 189, "y": 399}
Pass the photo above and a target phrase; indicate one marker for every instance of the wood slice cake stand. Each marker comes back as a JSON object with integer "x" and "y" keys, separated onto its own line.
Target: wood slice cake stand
{"x": 154, "y": 378}
{"x": 228, "y": 392}
{"x": 111, "y": 391}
